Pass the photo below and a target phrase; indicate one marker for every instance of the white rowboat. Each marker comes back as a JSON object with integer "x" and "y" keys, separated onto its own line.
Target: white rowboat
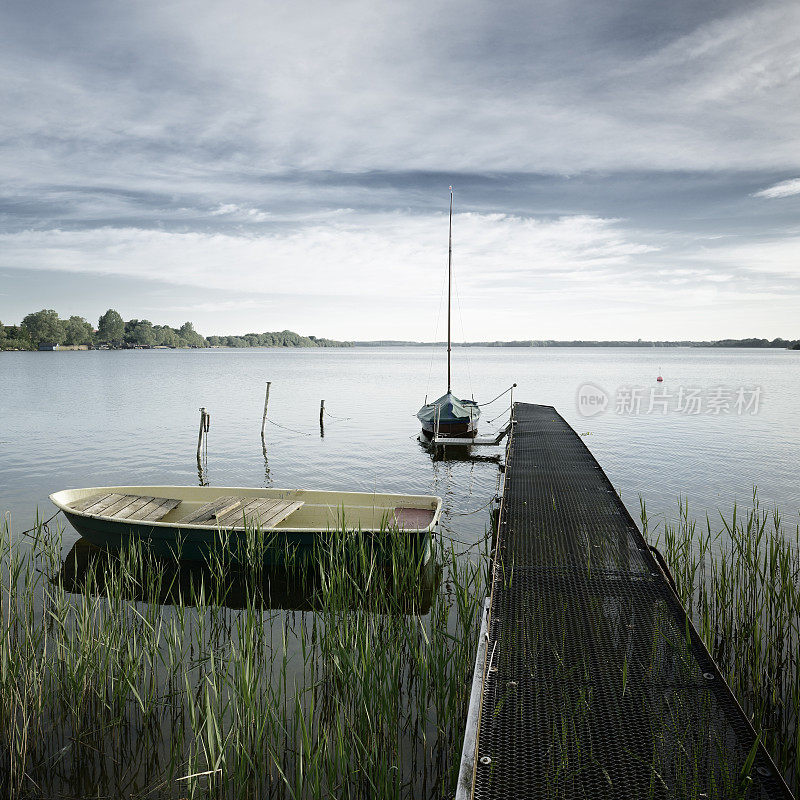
{"x": 187, "y": 520}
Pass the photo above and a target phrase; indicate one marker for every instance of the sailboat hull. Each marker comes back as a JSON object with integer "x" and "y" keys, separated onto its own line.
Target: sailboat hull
{"x": 450, "y": 417}
{"x": 453, "y": 430}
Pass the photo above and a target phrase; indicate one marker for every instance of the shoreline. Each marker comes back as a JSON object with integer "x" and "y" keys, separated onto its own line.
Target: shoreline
{"x": 723, "y": 345}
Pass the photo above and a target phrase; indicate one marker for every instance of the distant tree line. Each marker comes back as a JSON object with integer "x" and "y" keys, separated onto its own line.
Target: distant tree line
{"x": 789, "y": 343}
{"x": 112, "y": 331}
{"x": 279, "y": 339}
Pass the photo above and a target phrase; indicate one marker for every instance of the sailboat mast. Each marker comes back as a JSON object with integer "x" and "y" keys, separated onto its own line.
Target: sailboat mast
{"x": 449, "y": 285}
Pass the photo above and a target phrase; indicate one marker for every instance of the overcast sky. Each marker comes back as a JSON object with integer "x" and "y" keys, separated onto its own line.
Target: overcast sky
{"x": 621, "y": 169}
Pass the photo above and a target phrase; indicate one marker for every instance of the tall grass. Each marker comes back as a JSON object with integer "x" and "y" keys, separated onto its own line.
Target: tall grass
{"x": 122, "y": 675}
{"x": 739, "y": 579}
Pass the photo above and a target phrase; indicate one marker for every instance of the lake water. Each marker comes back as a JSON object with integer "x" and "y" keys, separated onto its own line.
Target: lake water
{"x": 721, "y": 422}
{"x": 96, "y": 418}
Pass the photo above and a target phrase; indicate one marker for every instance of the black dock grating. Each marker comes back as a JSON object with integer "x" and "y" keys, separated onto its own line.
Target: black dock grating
{"x": 595, "y": 684}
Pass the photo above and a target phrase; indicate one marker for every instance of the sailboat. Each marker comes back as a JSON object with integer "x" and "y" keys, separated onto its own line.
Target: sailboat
{"x": 449, "y": 416}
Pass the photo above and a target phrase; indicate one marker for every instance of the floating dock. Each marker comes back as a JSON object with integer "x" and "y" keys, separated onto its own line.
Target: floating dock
{"x": 590, "y": 680}
{"x": 488, "y": 441}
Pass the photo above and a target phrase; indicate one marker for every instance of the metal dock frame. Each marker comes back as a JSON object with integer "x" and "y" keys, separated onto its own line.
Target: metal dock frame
{"x": 593, "y": 681}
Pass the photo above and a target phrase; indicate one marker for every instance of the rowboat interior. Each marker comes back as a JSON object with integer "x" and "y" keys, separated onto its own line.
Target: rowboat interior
{"x": 189, "y": 507}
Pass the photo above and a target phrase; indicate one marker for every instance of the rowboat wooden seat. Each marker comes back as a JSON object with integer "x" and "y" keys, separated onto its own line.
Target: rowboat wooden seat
{"x": 232, "y": 511}
{"x": 139, "y": 507}
{"x": 207, "y": 514}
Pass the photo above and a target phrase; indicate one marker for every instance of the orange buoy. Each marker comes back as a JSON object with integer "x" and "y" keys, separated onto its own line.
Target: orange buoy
{"x": 659, "y": 379}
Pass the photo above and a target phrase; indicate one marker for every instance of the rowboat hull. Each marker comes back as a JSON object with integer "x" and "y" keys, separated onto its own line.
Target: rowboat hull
{"x": 322, "y": 520}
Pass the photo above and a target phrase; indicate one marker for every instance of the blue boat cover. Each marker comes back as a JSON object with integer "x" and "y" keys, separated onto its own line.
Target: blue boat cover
{"x": 451, "y": 409}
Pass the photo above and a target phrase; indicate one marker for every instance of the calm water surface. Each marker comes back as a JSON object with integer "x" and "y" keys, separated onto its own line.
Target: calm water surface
{"x": 98, "y": 418}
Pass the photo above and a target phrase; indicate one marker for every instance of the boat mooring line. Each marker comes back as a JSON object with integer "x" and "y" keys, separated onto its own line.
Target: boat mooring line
{"x": 501, "y": 414}
{"x": 293, "y": 430}
{"x": 39, "y": 526}
{"x": 513, "y": 386}
{"x": 333, "y": 416}
{"x": 467, "y": 513}
{"x": 466, "y": 544}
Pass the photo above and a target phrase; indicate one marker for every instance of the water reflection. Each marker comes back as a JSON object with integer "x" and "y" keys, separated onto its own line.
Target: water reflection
{"x": 461, "y": 452}
{"x": 202, "y": 473}
{"x": 188, "y": 583}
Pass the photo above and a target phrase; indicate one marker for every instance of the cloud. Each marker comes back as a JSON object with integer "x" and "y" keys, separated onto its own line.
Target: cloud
{"x": 184, "y": 92}
{"x": 351, "y": 274}
{"x": 357, "y": 275}
{"x": 232, "y": 210}
{"x": 776, "y": 257}
{"x": 396, "y": 255}
{"x": 297, "y": 151}
{"x": 782, "y": 189}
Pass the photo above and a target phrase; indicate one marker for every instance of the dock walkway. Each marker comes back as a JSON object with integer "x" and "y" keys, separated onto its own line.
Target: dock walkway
{"x": 594, "y": 683}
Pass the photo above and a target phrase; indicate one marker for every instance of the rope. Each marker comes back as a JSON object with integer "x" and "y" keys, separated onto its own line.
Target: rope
{"x": 333, "y": 416}
{"x": 40, "y": 524}
{"x": 467, "y": 513}
{"x": 501, "y": 414}
{"x": 461, "y": 541}
{"x": 293, "y": 430}
{"x": 498, "y": 397}
{"x": 466, "y": 544}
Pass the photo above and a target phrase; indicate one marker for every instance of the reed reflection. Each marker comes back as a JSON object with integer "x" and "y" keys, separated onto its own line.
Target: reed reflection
{"x": 296, "y": 586}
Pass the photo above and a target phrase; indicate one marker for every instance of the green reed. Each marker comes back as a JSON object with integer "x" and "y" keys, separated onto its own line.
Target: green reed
{"x": 131, "y": 677}
{"x": 739, "y": 579}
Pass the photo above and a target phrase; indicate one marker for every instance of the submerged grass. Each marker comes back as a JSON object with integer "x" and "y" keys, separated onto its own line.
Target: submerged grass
{"x": 122, "y": 675}
{"x": 739, "y": 580}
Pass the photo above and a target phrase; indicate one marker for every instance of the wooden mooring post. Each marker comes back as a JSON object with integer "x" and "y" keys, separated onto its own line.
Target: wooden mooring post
{"x": 321, "y": 417}
{"x": 202, "y": 446}
{"x": 266, "y": 406}
{"x": 205, "y": 424}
